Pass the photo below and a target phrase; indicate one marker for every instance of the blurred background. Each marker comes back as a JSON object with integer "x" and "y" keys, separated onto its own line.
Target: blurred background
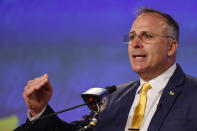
{"x": 79, "y": 43}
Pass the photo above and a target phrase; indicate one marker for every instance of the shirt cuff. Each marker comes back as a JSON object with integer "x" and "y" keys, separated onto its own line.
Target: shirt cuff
{"x": 36, "y": 116}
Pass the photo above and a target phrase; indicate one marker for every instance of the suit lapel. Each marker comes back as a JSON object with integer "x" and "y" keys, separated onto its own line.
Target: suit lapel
{"x": 167, "y": 99}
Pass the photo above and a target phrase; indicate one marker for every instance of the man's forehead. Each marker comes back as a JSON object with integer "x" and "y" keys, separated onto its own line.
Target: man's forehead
{"x": 149, "y": 21}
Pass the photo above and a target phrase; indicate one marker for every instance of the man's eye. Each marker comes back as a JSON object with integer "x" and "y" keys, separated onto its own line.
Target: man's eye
{"x": 147, "y": 36}
{"x": 131, "y": 37}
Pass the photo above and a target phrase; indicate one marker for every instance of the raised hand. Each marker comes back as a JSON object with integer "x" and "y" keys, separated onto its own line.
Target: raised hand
{"x": 37, "y": 93}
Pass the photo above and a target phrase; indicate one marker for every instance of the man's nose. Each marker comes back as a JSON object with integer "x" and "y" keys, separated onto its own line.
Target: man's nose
{"x": 137, "y": 43}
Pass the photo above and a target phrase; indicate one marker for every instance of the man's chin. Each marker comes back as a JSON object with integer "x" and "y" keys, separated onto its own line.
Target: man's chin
{"x": 138, "y": 70}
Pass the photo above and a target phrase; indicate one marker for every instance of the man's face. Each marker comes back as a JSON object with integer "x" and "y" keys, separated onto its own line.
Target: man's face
{"x": 149, "y": 58}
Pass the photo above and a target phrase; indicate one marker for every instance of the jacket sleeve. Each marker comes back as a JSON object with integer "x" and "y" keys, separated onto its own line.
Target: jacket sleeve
{"x": 53, "y": 123}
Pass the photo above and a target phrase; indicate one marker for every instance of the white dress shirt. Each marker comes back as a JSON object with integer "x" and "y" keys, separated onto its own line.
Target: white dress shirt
{"x": 153, "y": 95}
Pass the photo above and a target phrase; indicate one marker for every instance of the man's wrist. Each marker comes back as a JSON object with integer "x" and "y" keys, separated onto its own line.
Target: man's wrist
{"x": 31, "y": 118}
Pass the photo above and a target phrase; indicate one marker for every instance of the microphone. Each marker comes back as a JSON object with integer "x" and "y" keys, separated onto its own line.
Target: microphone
{"x": 94, "y": 96}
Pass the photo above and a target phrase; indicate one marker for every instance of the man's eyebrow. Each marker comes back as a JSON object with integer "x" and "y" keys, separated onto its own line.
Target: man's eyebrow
{"x": 132, "y": 32}
{"x": 146, "y": 31}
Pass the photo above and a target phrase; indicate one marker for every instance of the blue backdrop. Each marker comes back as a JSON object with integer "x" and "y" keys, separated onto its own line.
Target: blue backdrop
{"x": 79, "y": 43}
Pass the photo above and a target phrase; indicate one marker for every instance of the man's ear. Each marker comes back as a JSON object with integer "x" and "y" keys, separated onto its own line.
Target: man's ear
{"x": 172, "y": 47}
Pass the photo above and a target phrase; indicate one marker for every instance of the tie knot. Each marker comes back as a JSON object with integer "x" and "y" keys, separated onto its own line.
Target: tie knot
{"x": 145, "y": 87}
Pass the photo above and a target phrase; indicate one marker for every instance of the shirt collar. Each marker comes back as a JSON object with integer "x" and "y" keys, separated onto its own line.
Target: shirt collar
{"x": 158, "y": 83}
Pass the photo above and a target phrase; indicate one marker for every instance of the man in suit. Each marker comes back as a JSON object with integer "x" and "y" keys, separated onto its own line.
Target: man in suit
{"x": 166, "y": 103}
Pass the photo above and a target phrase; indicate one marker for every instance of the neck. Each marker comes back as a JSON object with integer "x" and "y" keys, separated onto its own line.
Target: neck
{"x": 149, "y": 75}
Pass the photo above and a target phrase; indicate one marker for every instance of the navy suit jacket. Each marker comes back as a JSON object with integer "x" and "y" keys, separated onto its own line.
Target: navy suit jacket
{"x": 176, "y": 111}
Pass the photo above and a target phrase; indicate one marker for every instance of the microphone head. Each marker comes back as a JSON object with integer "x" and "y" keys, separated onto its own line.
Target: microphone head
{"x": 93, "y": 96}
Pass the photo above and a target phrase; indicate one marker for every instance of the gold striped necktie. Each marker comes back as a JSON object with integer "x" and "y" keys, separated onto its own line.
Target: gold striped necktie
{"x": 140, "y": 109}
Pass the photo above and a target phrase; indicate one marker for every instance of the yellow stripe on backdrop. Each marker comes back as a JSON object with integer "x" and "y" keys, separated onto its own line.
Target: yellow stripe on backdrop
{"x": 9, "y": 123}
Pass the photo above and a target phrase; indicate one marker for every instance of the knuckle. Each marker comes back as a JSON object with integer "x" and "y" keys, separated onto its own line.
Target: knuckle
{"x": 25, "y": 94}
{"x": 29, "y": 82}
{"x": 25, "y": 89}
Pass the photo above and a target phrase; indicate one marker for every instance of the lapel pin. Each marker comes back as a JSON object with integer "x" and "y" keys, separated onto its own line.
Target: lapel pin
{"x": 171, "y": 93}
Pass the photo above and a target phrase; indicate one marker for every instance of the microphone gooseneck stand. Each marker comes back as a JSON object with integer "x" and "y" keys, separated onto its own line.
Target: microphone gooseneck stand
{"x": 91, "y": 126}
